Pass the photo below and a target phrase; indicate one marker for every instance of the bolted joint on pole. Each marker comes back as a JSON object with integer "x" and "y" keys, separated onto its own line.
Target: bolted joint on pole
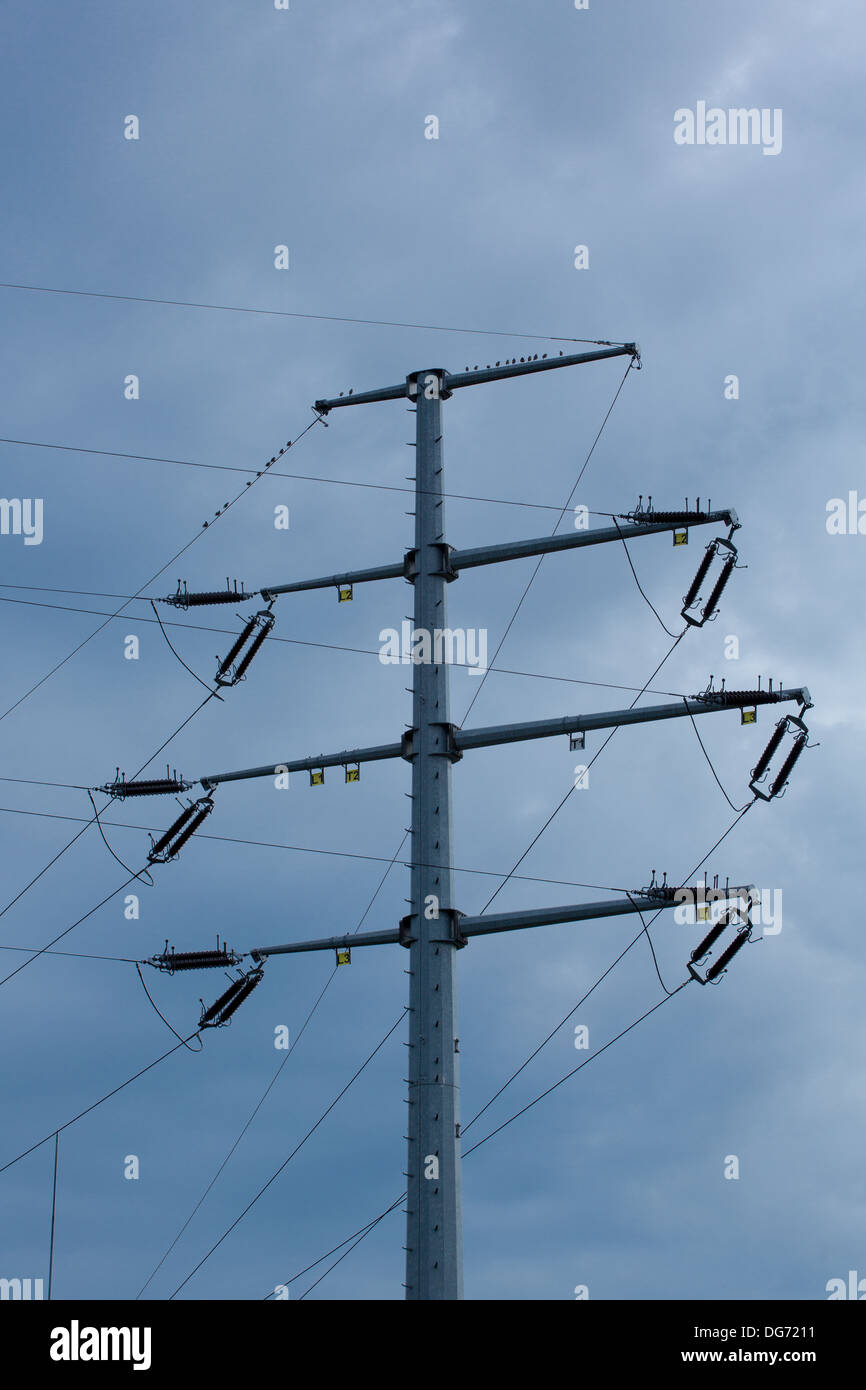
{"x": 449, "y": 749}
{"x": 446, "y": 572}
{"x": 429, "y": 383}
{"x": 451, "y": 916}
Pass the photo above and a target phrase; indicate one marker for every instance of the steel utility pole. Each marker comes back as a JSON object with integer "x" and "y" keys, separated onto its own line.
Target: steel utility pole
{"x": 434, "y": 1227}
{"x": 434, "y": 1215}
{"x": 434, "y": 929}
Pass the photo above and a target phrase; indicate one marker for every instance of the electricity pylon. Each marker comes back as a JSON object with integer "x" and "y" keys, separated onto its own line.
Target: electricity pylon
{"x": 435, "y": 929}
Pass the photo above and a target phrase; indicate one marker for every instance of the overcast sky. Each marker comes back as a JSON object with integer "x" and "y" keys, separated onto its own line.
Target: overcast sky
{"x": 307, "y": 129}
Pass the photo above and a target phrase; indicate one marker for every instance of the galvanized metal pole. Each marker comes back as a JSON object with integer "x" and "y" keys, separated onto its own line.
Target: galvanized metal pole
{"x": 434, "y": 1224}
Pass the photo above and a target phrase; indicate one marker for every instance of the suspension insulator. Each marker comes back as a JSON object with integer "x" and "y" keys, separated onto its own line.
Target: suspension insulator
{"x": 234, "y": 996}
{"x": 257, "y": 641}
{"x": 209, "y": 1014}
{"x": 187, "y": 823}
{"x": 728, "y": 954}
{"x": 785, "y": 770}
{"x": 260, "y": 625}
{"x": 695, "y": 586}
{"x": 764, "y": 761}
{"x": 711, "y": 937}
{"x": 243, "y": 993}
{"x": 779, "y": 782}
{"x": 727, "y": 570}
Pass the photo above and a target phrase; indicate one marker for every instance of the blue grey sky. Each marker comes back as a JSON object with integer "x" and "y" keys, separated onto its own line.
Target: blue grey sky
{"x": 306, "y": 128}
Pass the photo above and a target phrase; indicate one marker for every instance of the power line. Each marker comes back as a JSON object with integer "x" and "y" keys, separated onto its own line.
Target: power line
{"x": 275, "y": 473}
{"x": 574, "y": 1070}
{"x": 364, "y": 1230}
{"x": 325, "y": 646}
{"x": 77, "y": 955}
{"x": 60, "y": 935}
{"x": 367, "y": 1231}
{"x": 228, "y": 1156}
{"x": 53, "y": 1214}
{"x": 540, "y": 560}
{"x": 645, "y": 932}
{"x": 295, "y": 1150}
{"x": 597, "y": 754}
{"x": 162, "y": 1015}
{"x": 709, "y": 762}
{"x": 332, "y": 853}
{"x": 269, "y": 1086}
{"x": 95, "y": 819}
{"x": 552, "y": 1034}
{"x": 134, "y": 876}
{"x": 638, "y": 583}
{"x": 149, "y": 581}
{"x": 95, "y": 1105}
{"x": 322, "y": 318}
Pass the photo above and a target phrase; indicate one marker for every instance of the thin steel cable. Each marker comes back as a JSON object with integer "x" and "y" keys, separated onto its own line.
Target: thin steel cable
{"x": 94, "y": 819}
{"x": 709, "y": 762}
{"x": 108, "y": 846}
{"x": 66, "y": 931}
{"x": 591, "y": 1058}
{"x": 94, "y": 1106}
{"x": 178, "y": 655}
{"x": 275, "y": 473}
{"x": 363, "y": 1231}
{"x": 322, "y": 318}
{"x": 332, "y": 853}
{"x": 638, "y": 583}
{"x": 76, "y": 955}
{"x": 162, "y": 1015}
{"x": 326, "y": 646}
{"x": 147, "y": 582}
{"x": 270, "y": 1084}
{"x": 645, "y": 932}
{"x": 371, "y": 1226}
{"x": 596, "y": 755}
{"x": 53, "y": 1215}
{"x": 234, "y": 1146}
{"x": 540, "y": 561}
{"x": 288, "y": 1160}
